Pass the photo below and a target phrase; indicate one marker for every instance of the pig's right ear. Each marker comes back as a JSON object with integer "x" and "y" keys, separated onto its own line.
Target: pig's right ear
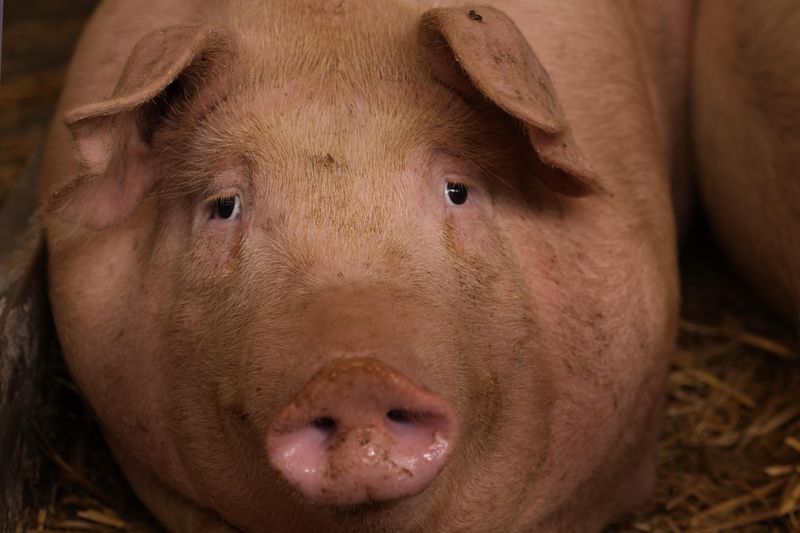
{"x": 169, "y": 71}
{"x": 479, "y": 53}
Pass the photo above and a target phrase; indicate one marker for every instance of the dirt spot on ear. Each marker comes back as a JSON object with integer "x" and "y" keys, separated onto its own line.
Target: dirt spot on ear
{"x": 474, "y": 15}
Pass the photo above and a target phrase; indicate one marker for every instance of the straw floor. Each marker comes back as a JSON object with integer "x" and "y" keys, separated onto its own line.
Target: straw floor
{"x": 730, "y": 450}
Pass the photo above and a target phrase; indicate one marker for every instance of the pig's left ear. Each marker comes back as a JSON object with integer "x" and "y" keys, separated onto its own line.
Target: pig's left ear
{"x": 479, "y": 52}
{"x": 168, "y": 72}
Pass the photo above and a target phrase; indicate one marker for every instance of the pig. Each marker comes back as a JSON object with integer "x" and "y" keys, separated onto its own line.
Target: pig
{"x": 746, "y": 123}
{"x": 371, "y": 266}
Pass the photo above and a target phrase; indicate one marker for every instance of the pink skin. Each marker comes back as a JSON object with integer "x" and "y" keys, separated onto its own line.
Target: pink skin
{"x": 531, "y": 327}
{"x": 361, "y": 432}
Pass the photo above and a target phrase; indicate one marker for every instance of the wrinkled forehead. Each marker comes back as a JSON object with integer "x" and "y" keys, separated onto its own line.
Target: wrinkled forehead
{"x": 340, "y": 76}
{"x": 384, "y": 123}
{"x": 333, "y": 85}
{"x": 387, "y": 122}
{"x": 338, "y": 44}
{"x": 384, "y": 131}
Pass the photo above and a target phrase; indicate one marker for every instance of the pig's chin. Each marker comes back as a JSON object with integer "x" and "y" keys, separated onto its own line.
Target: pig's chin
{"x": 372, "y": 516}
{"x": 366, "y": 515}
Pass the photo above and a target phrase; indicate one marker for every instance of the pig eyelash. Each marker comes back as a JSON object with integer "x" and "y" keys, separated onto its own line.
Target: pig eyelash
{"x": 456, "y": 193}
{"x": 226, "y": 207}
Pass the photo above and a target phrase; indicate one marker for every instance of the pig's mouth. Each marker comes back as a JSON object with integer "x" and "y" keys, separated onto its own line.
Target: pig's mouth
{"x": 372, "y": 515}
{"x": 360, "y": 510}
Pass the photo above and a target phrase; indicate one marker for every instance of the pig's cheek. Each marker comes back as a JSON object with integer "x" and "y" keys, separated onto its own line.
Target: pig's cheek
{"x": 108, "y": 315}
{"x": 210, "y": 304}
{"x": 94, "y": 302}
{"x": 597, "y": 298}
{"x": 216, "y": 250}
{"x": 510, "y": 392}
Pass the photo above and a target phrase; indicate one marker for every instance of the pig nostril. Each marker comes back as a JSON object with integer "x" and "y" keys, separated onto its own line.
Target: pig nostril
{"x": 325, "y": 423}
{"x": 401, "y": 416}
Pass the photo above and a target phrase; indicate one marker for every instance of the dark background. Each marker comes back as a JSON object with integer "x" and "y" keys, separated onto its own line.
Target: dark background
{"x": 38, "y": 38}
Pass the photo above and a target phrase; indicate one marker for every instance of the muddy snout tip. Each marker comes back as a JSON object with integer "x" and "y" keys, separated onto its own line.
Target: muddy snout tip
{"x": 361, "y": 431}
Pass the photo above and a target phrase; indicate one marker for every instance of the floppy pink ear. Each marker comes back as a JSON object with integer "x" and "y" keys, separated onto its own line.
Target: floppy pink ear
{"x": 480, "y": 53}
{"x": 167, "y": 69}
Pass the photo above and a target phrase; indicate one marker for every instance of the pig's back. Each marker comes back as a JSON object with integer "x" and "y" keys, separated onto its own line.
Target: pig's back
{"x": 747, "y": 139}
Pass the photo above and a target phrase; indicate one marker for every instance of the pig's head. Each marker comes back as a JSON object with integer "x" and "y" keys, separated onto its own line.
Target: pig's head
{"x": 328, "y": 274}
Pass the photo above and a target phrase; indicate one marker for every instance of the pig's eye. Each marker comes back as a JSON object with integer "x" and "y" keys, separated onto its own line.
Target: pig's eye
{"x": 226, "y": 208}
{"x": 456, "y": 193}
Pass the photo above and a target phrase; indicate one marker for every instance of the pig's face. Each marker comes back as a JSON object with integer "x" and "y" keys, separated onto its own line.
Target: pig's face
{"x": 353, "y": 240}
{"x": 358, "y": 310}
{"x": 285, "y": 250}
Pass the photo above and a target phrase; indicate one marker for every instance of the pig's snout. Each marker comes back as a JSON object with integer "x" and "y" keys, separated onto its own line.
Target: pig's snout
{"x": 359, "y": 432}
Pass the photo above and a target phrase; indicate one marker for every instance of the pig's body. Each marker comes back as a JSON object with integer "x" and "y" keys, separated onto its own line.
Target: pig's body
{"x": 541, "y": 322}
{"x": 747, "y": 137}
